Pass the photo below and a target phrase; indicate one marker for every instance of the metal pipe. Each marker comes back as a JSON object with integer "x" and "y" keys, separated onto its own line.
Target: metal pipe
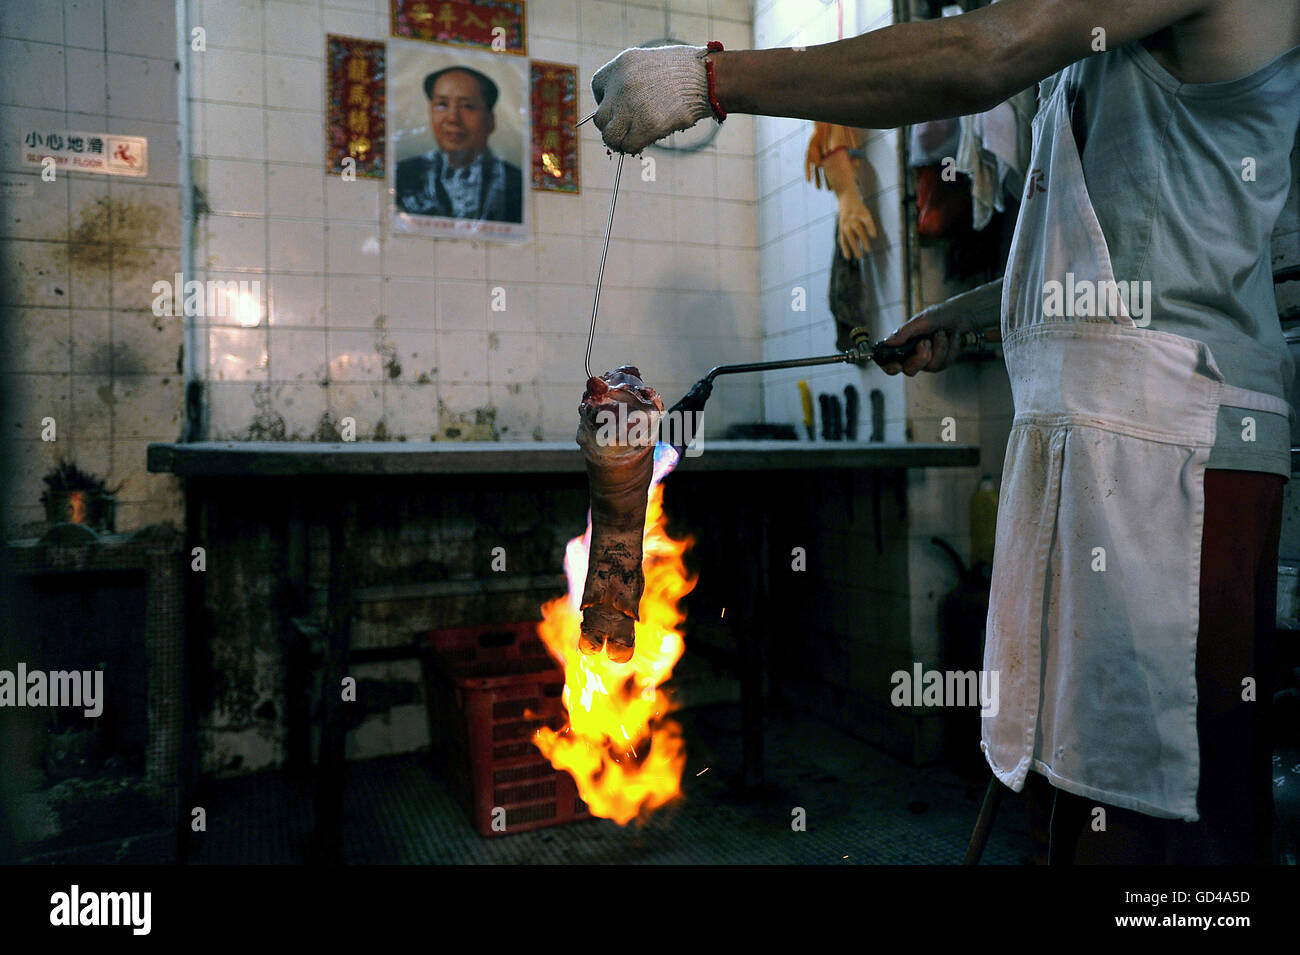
{"x": 911, "y": 246}
{"x": 851, "y": 357}
{"x": 191, "y": 424}
{"x": 862, "y": 352}
{"x": 694, "y": 400}
{"x": 984, "y": 824}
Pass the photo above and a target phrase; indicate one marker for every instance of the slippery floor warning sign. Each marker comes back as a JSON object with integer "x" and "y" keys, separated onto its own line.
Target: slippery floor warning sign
{"x": 105, "y": 153}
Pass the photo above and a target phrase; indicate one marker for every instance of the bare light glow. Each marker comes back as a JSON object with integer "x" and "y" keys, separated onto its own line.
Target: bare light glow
{"x": 245, "y": 307}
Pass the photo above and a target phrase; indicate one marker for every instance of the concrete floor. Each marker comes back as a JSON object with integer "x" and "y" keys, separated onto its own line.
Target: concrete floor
{"x": 862, "y": 807}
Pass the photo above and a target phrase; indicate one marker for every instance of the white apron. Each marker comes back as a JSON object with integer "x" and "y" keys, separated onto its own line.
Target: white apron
{"x": 1096, "y": 580}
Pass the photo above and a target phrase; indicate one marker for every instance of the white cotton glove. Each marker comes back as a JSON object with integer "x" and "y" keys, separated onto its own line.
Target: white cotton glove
{"x": 644, "y": 94}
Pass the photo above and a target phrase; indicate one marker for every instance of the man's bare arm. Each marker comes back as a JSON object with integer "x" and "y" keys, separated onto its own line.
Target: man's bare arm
{"x": 934, "y": 69}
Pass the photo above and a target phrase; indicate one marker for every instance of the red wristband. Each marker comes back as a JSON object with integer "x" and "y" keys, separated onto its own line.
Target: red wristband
{"x": 721, "y": 114}
{"x": 826, "y": 156}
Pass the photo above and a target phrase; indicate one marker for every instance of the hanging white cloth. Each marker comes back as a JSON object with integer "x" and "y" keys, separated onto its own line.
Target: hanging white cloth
{"x": 993, "y": 149}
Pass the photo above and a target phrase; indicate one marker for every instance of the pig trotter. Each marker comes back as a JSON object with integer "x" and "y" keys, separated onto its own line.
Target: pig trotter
{"x": 618, "y": 429}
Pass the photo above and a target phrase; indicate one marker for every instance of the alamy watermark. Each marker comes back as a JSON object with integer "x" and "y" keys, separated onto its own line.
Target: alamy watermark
{"x": 1085, "y": 298}
{"x": 78, "y": 908}
{"x": 922, "y": 687}
{"x": 84, "y": 688}
{"x": 615, "y": 427}
{"x": 213, "y": 298}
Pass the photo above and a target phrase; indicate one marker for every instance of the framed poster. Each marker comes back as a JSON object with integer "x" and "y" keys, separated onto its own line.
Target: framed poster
{"x": 555, "y": 140}
{"x": 458, "y": 142}
{"x": 355, "y": 103}
{"x": 496, "y": 25}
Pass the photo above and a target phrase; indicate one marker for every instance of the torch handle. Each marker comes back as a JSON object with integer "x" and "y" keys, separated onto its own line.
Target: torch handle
{"x": 883, "y": 354}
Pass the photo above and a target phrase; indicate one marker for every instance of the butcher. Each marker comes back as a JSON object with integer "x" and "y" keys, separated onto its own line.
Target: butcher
{"x": 1133, "y": 588}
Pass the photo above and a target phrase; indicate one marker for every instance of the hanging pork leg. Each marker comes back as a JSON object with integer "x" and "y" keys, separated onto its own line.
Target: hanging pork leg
{"x": 618, "y": 427}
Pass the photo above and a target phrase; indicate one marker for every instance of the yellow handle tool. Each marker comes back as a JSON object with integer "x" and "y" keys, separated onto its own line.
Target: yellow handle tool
{"x": 805, "y": 396}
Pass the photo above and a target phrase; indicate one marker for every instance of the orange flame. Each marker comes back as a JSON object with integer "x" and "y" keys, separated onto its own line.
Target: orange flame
{"x": 625, "y": 756}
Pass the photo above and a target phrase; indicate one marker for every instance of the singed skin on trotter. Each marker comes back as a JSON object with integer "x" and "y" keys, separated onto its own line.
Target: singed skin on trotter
{"x": 619, "y": 445}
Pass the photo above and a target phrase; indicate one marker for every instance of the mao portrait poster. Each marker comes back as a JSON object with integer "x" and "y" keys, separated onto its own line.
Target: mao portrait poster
{"x": 458, "y": 142}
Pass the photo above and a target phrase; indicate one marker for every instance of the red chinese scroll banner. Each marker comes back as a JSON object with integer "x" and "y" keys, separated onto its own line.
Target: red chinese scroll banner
{"x": 356, "y": 106}
{"x": 497, "y": 25}
{"x": 555, "y": 142}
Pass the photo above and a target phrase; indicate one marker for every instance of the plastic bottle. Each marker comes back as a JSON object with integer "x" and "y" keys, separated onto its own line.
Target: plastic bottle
{"x": 983, "y": 522}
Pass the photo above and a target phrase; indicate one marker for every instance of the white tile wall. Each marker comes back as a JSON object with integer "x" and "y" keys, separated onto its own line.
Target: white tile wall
{"x": 795, "y": 234}
{"x": 333, "y": 269}
{"x": 794, "y": 248}
{"x": 79, "y": 255}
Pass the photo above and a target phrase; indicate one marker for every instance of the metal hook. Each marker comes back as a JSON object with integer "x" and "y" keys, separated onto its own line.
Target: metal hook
{"x": 600, "y": 275}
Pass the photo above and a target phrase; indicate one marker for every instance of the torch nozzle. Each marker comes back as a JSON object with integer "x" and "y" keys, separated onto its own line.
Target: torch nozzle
{"x": 860, "y": 353}
{"x": 694, "y": 400}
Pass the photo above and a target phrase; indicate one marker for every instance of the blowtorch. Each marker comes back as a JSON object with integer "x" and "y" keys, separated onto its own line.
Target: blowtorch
{"x": 860, "y": 352}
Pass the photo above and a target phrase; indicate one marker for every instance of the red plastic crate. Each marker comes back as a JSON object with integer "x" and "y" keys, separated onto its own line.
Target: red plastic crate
{"x": 483, "y": 681}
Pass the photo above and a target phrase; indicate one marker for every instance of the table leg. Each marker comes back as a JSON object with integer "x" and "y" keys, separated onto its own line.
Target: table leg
{"x": 750, "y": 640}
{"x": 330, "y": 773}
{"x": 297, "y": 655}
